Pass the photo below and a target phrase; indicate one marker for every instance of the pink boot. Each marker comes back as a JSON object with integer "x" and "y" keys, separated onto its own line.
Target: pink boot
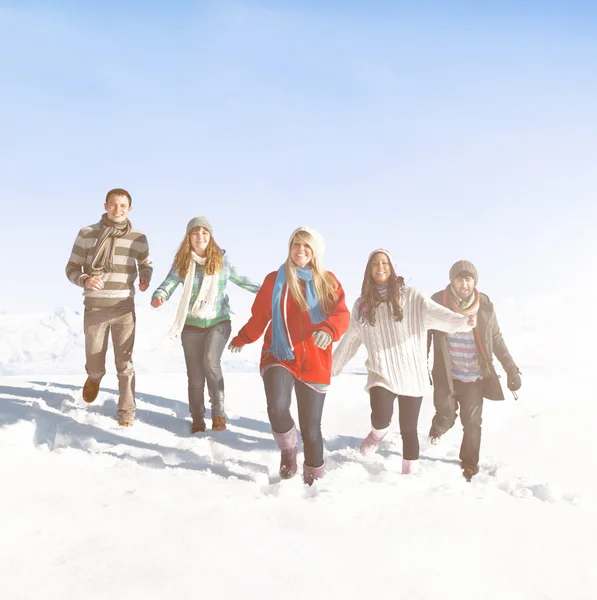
{"x": 410, "y": 467}
{"x": 288, "y": 444}
{"x": 310, "y": 474}
{"x": 370, "y": 443}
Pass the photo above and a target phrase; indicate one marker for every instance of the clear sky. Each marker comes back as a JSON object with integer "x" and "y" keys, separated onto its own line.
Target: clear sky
{"x": 439, "y": 130}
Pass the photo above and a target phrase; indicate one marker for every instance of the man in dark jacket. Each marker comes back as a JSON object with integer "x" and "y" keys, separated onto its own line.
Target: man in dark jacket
{"x": 463, "y": 371}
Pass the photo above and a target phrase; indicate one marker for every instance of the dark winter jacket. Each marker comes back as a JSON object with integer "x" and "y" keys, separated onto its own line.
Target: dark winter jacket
{"x": 488, "y": 335}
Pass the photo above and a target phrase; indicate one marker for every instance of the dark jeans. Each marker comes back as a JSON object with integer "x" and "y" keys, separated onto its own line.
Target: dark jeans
{"x": 469, "y": 396}
{"x": 203, "y": 348}
{"x": 382, "y": 408}
{"x": 279, "y": 383}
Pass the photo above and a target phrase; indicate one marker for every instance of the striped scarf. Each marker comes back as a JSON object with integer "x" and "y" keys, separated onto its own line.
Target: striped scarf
{"x": 102, "y": 259}
{"x": 457, "y": 304}
{"x": 381, "y": 295}
{"x": 281, "y": 347}
{"x": 382, "y": 290}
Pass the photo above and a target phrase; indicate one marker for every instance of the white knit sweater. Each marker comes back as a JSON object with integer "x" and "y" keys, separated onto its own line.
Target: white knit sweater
{"x": 397, "y": 350}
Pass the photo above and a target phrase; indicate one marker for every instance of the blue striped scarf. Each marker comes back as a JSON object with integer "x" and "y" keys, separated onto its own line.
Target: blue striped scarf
{"x": 280, "y": 347}
{"x": 382, "y": 291}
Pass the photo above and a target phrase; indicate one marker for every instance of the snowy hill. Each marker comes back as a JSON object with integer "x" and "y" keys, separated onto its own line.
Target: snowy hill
{"x": 91, "y": 510}
{"x": 52, "y": 341}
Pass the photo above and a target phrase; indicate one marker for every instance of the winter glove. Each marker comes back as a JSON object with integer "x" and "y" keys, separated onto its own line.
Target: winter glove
{"x": 322, "y": 339}
{"x": 514, "y": 381}
{"x": 235, "y": 349}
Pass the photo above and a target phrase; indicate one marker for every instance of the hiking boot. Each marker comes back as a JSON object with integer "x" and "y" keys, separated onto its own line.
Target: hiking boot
{"x": 90, "y": 390}
{"x": 218, "y": 423}
{"x": 198, "y": 426}
{"x": 469, "y": 472}
{"x": 126, "y": 418}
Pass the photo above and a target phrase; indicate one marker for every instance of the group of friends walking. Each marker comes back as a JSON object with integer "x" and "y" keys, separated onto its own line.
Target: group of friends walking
{"x": 301, "y": 309}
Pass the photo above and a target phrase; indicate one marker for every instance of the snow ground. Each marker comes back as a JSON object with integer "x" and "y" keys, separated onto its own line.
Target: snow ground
{"x": 95, "y": 511}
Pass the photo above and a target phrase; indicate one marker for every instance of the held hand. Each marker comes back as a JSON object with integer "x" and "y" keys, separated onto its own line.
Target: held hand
{"x": 143, "y": 283}
{"x": 472, "y": 320}
{"x": 94, "y": 283}
{"x": 322, "y": 339}
{"x": 234, "y": 349}
{"x": 157, "y": 301}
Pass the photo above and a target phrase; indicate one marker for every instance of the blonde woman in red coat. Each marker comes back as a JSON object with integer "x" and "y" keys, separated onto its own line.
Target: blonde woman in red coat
{"x": 302, "y": 306}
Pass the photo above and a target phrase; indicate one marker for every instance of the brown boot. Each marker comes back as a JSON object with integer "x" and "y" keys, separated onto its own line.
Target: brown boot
{"x": 198, "y": 426}
{"x": 218, "y": 423}
{"x": 90, "y": 390}
{"x": 125, "y": 418}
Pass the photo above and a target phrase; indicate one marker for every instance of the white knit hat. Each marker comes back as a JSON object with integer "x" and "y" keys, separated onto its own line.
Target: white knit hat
{"x": 318, "y": 245}
{"x": 387, "y": 253}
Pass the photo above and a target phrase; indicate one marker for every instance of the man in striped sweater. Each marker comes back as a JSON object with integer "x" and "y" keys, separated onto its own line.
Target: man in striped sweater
{"x": 105, "y": 260}
{"x": 463, "y": 371}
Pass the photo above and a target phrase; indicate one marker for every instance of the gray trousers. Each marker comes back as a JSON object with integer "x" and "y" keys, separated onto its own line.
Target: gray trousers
{"x": 98, "y": 323}
{"x": 203, "y": 349}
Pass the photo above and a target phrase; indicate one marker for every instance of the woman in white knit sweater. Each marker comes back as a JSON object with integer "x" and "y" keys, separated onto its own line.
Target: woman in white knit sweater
{"x": 392, "y": 321}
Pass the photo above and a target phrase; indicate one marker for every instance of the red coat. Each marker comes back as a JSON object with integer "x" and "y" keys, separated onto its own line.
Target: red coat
{"x": 311, "y": 364}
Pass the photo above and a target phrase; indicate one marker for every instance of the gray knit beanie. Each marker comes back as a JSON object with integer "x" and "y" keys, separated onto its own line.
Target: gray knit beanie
{"x": 464, "y": 268}
{"x": 200, "y": 222}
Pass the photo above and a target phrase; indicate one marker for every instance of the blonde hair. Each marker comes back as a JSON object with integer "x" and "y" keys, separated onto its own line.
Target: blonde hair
{"x": 326, "y": 287}
{"x": 182, "y": 259}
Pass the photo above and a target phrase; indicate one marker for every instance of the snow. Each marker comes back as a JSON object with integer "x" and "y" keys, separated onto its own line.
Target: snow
{"x": 91, "y": 510}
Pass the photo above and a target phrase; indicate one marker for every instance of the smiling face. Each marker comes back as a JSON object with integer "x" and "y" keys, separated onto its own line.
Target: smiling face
{"x": 117, "y": 208}
{"x": 301, "y": 253}
{"x": 464, "y": 286}
{"x": 380, "y": 268}
{"x": 199, "y": 239}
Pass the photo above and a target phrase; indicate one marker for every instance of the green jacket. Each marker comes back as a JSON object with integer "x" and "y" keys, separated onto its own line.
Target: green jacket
{"x": 173, "y": 280}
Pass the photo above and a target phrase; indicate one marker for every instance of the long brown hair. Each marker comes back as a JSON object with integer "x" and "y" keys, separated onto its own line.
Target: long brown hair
{"x": 326, "y": 286}
{"x": 182, "y": 259}
{"x": 371, "y": 298}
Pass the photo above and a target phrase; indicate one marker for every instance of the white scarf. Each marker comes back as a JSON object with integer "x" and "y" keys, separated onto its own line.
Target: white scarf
{"x": 204, "y": 306}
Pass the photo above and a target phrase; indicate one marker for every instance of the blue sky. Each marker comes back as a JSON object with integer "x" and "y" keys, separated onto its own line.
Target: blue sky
{"x": 439, "y": 130}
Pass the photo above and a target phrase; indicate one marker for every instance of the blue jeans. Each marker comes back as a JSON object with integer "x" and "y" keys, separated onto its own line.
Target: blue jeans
{"x": 279, "y": 383}
{"x": 203, "y": 349}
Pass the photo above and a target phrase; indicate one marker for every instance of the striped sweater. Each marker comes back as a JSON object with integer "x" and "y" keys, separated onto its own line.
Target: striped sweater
{"x": 131, "y": 254}
{"x": 173, "y": 280}
{"x": 397, "y": 351}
